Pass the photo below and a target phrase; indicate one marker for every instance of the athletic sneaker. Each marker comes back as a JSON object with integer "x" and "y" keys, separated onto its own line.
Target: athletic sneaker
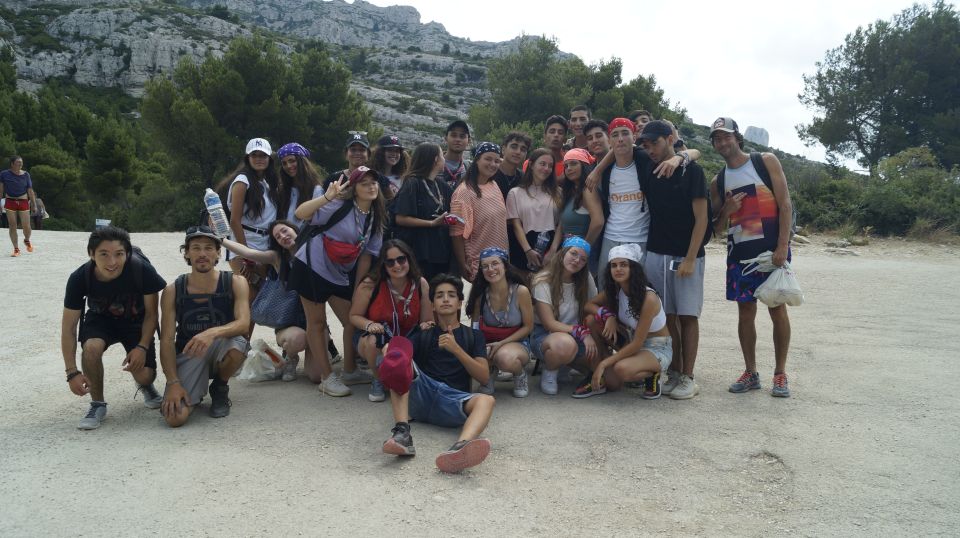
{"x": 95, "y": 415}
{"x": 673, "y": 378}
{"x": 29, "y": 245}
{"x": 16, "y": 252}
{"x": 332, "y": 386}
{"x": 401, "y": 443}
{"x": 356, "y": 377}
{"x": 490, "y": 386}
{"x": 290, "y": 368}
{"x": 586, "y": 389}
{"x": 780, "y": 387}
{"x": 548, "y": 382}
{"x": 651, "y": 387}
{"x": 151, "y": 398}
{"x": 219, "y": 399}
{"x": 746, "y": 382}
{"x": 521, "y": 385}
{"x": 463, "y": 454}
{"x": 504, "y": 376}
{"x": 687, "y": 388}
{"x": 377, "y": 392}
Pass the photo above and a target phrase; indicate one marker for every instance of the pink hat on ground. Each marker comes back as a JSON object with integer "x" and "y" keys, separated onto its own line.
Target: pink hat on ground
{"x": 395, "y": 373}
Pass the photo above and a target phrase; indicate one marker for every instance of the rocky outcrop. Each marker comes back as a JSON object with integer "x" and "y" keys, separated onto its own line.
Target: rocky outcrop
{"x": 757, "y": 135}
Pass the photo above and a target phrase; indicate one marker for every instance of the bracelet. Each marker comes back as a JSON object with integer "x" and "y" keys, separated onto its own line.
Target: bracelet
{"x": 366, "y": 328}
{"x": 73, "y": 375}
{"x": 580, "y": 332}
{"x": 325, "y": 197}
{"x": 528, "y": 250}
{"x": 603, "y": 314}
{"x": 143, "y": 347}
{"x": 74, "y": 369}
{"x": 174, "y": 382}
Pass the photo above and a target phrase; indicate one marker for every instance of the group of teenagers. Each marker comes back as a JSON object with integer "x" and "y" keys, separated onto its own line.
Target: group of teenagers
{"x": 586, "y": 256}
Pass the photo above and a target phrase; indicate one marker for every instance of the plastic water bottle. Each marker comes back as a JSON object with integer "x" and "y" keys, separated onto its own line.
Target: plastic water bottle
{"x": 543, "y": 242}
{"x": 217, "y": 215}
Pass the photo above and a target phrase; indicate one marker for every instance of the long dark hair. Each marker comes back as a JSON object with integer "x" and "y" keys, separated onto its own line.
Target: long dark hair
{"x": 636, "y": 290}
{"x": 284, "y": 254}
{"x": 478, "y": 290}
{"x": 379, "y": 161}
{"x": 308, "y": 177}
{"x": 378, "y": 206}
{"x": 574, "y": 191}
{"x": 421, "y": 163}
{"x": 253, "y": 200}
{"x": 379, "y": 271}
{"x": 550, "y": 184}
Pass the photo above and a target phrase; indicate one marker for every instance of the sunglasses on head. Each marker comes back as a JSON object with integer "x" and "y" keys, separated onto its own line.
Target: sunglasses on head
{"x": 390, "y": 262}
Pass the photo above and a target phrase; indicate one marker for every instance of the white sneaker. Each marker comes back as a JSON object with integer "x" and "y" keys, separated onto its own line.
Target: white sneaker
{"x": 521, "y": 386}
{"x": 673, "y": 379}
{"x": 290, "y": 368}
{"x": 548, "y": 382}
{"x": 94, "y": 416}
{"x": 356, "y": 377}
{"x": 332, "y": 386}
{"x": 504, "y": 376}
{"x": 687, "y": 388}
{"x": 151, "y": 398}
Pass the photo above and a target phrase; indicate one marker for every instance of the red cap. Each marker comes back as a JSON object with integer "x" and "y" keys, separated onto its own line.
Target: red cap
{"x": 395, "y": 371}
{"x": 622, "y": 122}
{"x": 358, "y": 174}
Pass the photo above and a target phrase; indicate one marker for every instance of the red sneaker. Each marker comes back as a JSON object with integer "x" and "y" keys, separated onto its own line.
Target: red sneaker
{"x": 29, "y": 245}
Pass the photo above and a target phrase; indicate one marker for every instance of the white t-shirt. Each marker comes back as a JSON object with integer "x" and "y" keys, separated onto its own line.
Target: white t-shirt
{"x": 629, "y": 220}
{"x": 536, "y": 209}
{"x": 568, "y": 303}
{"x": 269, "y": 214}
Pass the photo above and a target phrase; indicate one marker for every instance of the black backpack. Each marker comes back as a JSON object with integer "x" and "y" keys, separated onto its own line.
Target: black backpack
{"x": 182, "y": 295}
{"x": 137, "y": 260}
{"x": 761, "y": 167}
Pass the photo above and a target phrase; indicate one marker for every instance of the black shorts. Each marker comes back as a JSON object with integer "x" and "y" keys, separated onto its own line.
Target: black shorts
{"x": 112, "y": 332}
{"x": 314, "y": 287}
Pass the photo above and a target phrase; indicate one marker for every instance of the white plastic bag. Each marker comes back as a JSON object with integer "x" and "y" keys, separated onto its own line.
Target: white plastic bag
{"x": 762, "y": 263}
{"x": 261, "y": 364}
{"x": 781, "y": 287}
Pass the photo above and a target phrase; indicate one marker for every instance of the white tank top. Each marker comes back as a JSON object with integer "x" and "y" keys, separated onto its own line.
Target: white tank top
{"x": 658, "y": 322}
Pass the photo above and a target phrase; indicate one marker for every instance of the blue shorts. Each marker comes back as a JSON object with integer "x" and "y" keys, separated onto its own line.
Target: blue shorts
{"x": 540, "y": 334}
{"x": 741, "y": 287}
{"x": 436, "y": 403}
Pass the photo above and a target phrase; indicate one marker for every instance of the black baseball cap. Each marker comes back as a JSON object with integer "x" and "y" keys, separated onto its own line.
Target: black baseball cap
{"x": 655, "y": 129}
{"x": 389, "y": 141}
{"x": 458, "y": 124}
{"x": 201, "y": 231}
{"x": 357, "y": 138}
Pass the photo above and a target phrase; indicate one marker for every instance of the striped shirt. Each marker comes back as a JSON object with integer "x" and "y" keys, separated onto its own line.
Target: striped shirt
{"x": 485, "y": 221}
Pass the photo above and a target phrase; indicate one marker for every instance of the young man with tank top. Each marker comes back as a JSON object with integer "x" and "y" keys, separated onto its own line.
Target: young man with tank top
{"x": 204, "y": 315}
{"x": 757, "y": 218}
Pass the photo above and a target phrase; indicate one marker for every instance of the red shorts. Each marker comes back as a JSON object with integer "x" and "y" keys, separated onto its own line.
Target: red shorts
{"x": 17, "y": 204}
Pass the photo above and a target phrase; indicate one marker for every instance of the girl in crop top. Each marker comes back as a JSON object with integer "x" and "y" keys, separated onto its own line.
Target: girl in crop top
{"x": 502, "y": 308}
{"x": 628, "y": 307}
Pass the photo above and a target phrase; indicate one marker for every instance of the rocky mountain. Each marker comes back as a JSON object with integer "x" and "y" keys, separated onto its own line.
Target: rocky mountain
{"x": 758, "y": 135}
{"x": 416, "y": 77}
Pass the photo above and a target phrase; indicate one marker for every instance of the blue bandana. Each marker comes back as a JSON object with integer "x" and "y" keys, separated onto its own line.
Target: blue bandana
{"x": 495, "y": 251}
{"x": 576, "y": 241}
{"x": 293, "y": 149}
{"x": 486, "y": 147}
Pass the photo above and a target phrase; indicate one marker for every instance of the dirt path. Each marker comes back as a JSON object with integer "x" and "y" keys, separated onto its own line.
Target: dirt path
{"x": 866, "y": 446}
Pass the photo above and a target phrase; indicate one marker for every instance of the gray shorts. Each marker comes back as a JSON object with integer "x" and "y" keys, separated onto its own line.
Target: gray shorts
{"x": 195, "y": 374}
{"x": 662, "y": 349}
{"x": 680, "y": 296}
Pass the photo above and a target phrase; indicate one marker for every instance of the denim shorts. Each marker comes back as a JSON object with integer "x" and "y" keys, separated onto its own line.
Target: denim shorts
{"x": 540, "y": 334}
{"x": 436, "y": 403}
{"x": 662, "y": 349}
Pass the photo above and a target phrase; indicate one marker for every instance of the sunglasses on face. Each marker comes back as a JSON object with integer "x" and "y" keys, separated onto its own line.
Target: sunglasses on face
{"x": 390, "y": 262}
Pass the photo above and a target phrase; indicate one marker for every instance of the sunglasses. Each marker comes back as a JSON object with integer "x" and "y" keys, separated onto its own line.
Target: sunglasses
{"x": 390, "y": 262}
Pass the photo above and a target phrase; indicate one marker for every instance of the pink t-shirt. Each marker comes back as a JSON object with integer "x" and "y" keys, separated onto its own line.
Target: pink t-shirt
{"x": 536, "y": 209}
{"x": 485, "y": 221}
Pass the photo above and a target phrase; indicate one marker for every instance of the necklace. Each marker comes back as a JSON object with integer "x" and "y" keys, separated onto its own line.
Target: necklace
{"x": 437, "y": 198}
{"x": 405, "y": 301}
{"x": 362, "y": 233}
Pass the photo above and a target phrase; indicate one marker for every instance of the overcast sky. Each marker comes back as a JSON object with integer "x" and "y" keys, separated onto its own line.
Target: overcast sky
{"x": 746, "y": 61}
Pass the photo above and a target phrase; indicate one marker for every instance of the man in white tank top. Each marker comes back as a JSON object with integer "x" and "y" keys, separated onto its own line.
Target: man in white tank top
{"x": 757, "y": 218}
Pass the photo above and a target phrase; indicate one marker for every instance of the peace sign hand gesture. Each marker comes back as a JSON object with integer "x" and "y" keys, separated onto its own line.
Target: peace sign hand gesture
{"x": 336, "y": 187}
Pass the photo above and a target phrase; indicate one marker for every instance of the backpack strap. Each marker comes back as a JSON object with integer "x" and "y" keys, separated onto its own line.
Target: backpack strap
{"x": 180, "y": 296}
{"x": 761, "y": 167}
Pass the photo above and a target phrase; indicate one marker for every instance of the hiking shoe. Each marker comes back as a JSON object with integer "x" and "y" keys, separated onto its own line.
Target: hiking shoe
{"x": 219, "y": 399}
{"x": 490, "y": 386}
{"x": 377, "y": 392}
{"x": 332, "y": 386}
{"x": 504, "y": 376}
{"x": 651, "y": 387}
{"x": 780, "y": 387}
{"x": 585, "y": 389}
{"x": 687, "y": 388}
{"x": 16, "y": 252}
{"x": 521, "y": 385}
{"x": 356, "y": 377}
{"x": 548, "y": 382}
{"x": 463, "y": 454}
{"x": 290, "y": 368}
{"x": 746, "y": 382}
{"x": 673, "y": 378}
{"x": 94, "y": 416}
{"x": 151, "y": 398}
{"x": 29, "y": 245}
{"x": 401, "y": 443}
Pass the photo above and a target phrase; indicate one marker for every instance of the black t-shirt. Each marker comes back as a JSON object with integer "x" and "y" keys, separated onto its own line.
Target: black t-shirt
{"x": 424, "y": 199}
{"x": 506, "y": 182}
{"x": 118, "y": 300}
{"x": 671, "y": 208}
{"x": 440, "y": 364}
